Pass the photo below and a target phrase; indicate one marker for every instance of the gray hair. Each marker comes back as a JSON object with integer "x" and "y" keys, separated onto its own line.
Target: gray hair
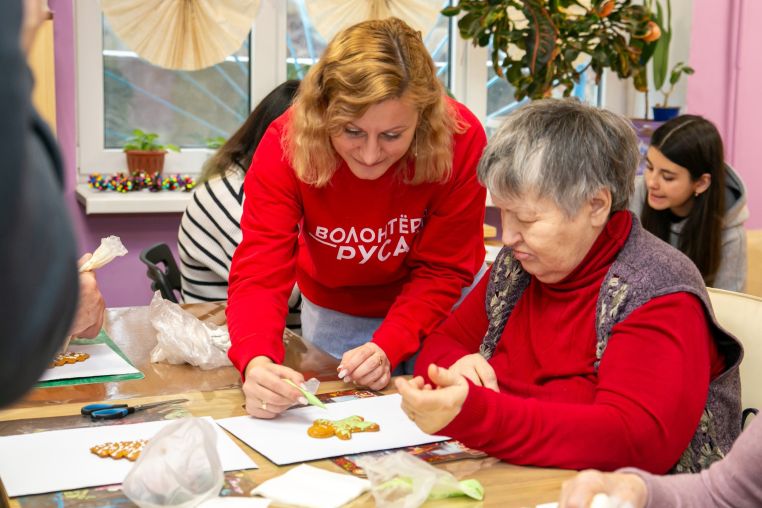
{"x": 563, "y": 150}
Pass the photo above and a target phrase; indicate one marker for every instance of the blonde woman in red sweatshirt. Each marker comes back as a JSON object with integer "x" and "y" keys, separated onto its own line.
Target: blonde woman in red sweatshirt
{"x": 365, "y": 193}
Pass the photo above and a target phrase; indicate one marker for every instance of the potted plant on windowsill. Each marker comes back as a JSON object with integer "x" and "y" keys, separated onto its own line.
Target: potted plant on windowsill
{"x": 145, "y": 153}
{"x": 660, "y": 64}
{"x": 538, "y": 45}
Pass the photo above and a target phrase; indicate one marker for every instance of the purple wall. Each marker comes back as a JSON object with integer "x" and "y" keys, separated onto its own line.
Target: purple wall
{"x": 725, "y": 44}
{"x": 123, "y": 282}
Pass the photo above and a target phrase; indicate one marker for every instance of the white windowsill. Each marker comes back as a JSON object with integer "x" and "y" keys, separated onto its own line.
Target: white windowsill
{"x": 145, "y": 201}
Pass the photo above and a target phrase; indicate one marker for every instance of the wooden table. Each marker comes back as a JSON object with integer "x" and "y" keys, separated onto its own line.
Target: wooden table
{"x": 131, "y": 330}
{"x": 217, "y": 393}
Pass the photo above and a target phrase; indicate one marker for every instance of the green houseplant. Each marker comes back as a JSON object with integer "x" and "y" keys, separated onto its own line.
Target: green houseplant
{"x": 660, "y": 63}
{"x": 145, "y": 153}
{"x": 538, "y": 45}
{"x": 215, "y": 143}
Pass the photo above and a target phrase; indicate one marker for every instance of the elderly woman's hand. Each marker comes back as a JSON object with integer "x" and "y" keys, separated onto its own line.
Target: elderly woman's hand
{"x": 366, "y": 365}
{"x": 623, "y": 490}
{"x": 433, "y": 409}
{"x": 476, "y": 368}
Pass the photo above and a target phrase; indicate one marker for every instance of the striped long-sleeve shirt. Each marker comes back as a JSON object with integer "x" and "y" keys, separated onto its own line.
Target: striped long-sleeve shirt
{"x": 210, "y": 231}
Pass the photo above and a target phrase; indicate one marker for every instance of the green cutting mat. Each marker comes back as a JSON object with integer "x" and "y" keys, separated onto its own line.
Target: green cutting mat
{"x": 102, "y": 338}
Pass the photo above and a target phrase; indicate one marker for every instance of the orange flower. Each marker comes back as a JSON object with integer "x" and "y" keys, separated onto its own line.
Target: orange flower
{"x": 606, "y": 8}
{"x": 653, "y": 32}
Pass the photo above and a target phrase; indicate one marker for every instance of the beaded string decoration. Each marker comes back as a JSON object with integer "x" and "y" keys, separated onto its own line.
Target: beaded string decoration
{"x": 122, "y": 182}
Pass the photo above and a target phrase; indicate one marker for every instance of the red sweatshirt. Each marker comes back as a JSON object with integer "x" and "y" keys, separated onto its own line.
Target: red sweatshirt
{"x": 640, "y": 409}
{"x": 373, "y": 248}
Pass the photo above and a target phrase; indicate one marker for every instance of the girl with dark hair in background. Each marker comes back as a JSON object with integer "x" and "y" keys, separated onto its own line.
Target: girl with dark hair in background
{"x": 210, "y": 229}
{"x": 690, "y": 198}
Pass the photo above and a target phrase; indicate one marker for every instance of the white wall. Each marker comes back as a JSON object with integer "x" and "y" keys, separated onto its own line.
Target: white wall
{"x": 621, "y": 96}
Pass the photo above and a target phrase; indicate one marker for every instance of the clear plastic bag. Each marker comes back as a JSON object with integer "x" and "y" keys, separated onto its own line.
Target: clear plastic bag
{"x": 179, "y": 467}
{"x": 183, "y": 338}
{"x": 400, "y": 480}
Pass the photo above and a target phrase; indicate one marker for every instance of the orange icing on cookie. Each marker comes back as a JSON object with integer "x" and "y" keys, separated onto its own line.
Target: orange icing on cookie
{"x": 129, "y": 450}
{"x": 69, "y": 357}
{"x": 342, "y": 429}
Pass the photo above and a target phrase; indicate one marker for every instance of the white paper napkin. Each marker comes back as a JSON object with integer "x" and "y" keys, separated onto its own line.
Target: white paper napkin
{"x": 235, "y": 502}
{"x": 311, "y": 487}
{"x": 600, "y": 500}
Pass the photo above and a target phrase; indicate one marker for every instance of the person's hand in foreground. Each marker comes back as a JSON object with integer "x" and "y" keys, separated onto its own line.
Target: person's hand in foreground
{"x": 477, "y": 370}
{"x": 91, "y": 306}
{"x": 432, "y": 409}
{"x": 267, "y": 394}
{"x": 623, "y": 490}
{"x": 366, "y": 365}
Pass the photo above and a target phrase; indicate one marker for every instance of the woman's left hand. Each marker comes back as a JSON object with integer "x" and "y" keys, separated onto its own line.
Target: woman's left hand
{"x": 433, "y": 409}
{"x": 366, "y": 365}
{"x": 477, "y": 370}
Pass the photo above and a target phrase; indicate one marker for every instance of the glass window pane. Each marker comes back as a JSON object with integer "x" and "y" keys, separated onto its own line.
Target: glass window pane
{"x": 438, "y": 43}
{"x": 501, "y": 101}
{"x": 185, "y": 108}
{"x": 305, "y": 44}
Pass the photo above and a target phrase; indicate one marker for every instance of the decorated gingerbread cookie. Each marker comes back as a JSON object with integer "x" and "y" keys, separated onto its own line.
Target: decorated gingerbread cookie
{"x": 129, "y": 450}
{"x": 342, "y": 429}
{"x": 69, "y": 357}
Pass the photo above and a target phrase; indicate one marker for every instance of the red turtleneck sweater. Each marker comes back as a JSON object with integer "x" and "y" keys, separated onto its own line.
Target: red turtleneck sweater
{"x": 640, "y": 409}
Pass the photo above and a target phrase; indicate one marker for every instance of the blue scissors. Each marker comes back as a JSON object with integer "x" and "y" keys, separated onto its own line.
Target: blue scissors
{"x": 114, "y": 411}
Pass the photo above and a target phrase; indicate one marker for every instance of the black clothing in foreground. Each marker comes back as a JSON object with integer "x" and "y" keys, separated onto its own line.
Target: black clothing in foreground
{"x": 38, "y": 261}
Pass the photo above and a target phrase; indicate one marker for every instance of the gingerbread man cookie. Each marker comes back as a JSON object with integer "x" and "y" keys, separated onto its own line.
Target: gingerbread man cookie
{"x": 69, "y": 357}
{"x": 342, "y": 429}
{"x": 129, "y": 450}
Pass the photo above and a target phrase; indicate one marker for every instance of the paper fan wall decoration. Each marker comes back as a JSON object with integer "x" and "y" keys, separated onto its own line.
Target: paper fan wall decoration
{"x": 332, "y": 16}
{"x": 181, "y": 34}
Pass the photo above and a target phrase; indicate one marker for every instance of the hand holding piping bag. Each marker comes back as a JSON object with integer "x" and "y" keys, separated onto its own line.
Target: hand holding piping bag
{"x": 90, "y": 307}
{"x": 109, "y": 248}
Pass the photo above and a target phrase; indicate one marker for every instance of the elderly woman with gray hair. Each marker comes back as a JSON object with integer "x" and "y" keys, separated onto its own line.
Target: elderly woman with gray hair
{"x": 591, "y": 343}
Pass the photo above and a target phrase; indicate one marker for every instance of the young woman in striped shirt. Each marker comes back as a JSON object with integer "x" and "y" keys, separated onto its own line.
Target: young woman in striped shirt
{"x": 210, "y": 229}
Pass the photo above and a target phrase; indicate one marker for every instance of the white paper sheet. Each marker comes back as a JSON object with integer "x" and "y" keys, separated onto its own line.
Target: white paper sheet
{"x": 103, "y": 361}
{"x": 61, "y": 459}
{"x": 284, "y": 440}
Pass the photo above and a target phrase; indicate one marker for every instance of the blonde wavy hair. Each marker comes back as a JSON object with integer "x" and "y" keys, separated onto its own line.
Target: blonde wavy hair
{"x": 363, "y": 65}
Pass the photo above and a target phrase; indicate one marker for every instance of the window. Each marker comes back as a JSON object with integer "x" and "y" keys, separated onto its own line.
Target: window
{"x": 117, "y": 91}
{"x": 305, "y": 44}
{"x": 501, "y": 101}
{"x": 185, "y": 108}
